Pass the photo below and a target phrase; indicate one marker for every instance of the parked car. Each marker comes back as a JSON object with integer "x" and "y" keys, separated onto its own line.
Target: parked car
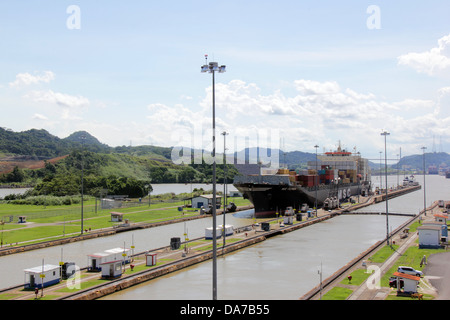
{"x": 393, "y": 282}
{"x": 409, "y": 270}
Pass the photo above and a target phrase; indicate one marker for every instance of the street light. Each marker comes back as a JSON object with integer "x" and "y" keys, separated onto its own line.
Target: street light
{"x": 224, "y": 184}
{"x": 316, "y": 184}
{"x": 385, "y": 172}
{"x": 83, "y": 138}
{"x": 212, "y": 68}
{"x": 424, "y": 193}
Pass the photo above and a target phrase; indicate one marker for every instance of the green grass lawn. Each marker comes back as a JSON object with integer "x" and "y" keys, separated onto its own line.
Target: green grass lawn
{"x": 337, "y": 293}
{"x": 69, "y": 218}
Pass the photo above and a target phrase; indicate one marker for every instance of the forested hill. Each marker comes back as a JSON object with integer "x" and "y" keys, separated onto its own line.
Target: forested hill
{"x": 40, "y": 144}
{"x": 54, "y": 166}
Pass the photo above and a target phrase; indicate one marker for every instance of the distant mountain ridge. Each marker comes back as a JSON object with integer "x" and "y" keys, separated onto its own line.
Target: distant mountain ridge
{"x": 39, "y": 144}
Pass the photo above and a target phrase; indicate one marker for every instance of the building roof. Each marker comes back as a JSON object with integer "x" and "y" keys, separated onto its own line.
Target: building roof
{"x": 441, "y": 215}
{"x": 406, "y": 276}
{"x": 117, "y": 213}
{"x": 99, "y": 255}
{"x": 436, "y": 227}
{"x": 207, "y": 196}
{"x": 117, "y": 250}
{"x": 47, "y": 267}
{"x": 110, "y": 262}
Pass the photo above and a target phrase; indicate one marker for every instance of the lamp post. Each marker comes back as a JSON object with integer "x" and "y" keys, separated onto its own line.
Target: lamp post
{"x": 424, "y": 193}
{"x": 212, "y": 68}
{"x": 385, "y": 134}
{"x": 316, "y": 184}
{"x": 83, "y": 137}
{"x": 224, "y": 184}
{"x": 381, "y": 180}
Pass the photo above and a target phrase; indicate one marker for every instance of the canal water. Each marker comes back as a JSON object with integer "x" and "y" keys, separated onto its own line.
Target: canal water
{"x": 284, "y": 267}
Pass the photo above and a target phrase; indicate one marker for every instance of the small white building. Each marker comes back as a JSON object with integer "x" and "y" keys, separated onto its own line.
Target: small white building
{"x": 441, "y": 218}
{"x": 209, "y": 233}
{"x": 410, "y": 282}
{"x": 45, "y": 275}
{"x": 429, "y": 235}
{"x": 150, "y": 259}
{"x": 119, "y": 254}
{"x": 229, "y": 229}
{"x": 205, "y": 200}
{"x": 96, "y": 260}
{"x": 234, "y": 193}
{"x": 112, "y": 269}
{"x": 116, "y": 216}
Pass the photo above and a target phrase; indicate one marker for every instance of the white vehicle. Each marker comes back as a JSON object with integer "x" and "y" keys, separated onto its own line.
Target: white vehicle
{"x": 411, "y": 271}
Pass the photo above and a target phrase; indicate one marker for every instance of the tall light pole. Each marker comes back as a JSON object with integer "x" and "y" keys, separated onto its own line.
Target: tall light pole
{"x": 83, "y": 137}
{"x": 381, "y": 180}
{"x": 224, "y": 183}
{"x": 385, "y": 134}
{"x": 212, "y": 67}
{"x": 424, "y": 193}
{"x": 316, "y": 184}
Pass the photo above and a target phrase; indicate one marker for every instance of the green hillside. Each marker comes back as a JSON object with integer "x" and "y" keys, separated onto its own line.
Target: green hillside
{"x": 121, "y": 170}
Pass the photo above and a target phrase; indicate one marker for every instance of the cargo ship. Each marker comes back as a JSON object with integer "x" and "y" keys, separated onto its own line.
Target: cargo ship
{"x": 334, "y": 177}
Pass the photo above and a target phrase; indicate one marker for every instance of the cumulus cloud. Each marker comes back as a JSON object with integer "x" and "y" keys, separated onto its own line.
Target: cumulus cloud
{"x": 25, "y": 79}
{"x": 317, "y": 112}
{"x": 60, "y": 99}
{"x": 432, "y": 62}
{"x": 68, "y": 107}
{"x": 38, "y": 116}
{"x": 443, "y": 104}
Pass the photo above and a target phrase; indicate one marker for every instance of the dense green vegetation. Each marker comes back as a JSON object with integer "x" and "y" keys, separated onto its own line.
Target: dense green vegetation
{"x": 122, "y": 170}
{"x": 121, "y": 174}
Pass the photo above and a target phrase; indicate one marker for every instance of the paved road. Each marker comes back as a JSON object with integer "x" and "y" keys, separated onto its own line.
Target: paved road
{"x": 438, "y": 274}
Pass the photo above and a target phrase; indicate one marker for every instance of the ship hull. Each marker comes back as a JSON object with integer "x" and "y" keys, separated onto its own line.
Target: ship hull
{"x": 268, "y": 200}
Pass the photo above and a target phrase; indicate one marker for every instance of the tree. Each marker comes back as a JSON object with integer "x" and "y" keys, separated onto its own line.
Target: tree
{"x": 15, "y": 176}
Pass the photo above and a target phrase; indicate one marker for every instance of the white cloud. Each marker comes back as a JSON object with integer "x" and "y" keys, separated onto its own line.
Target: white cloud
{"x": 25, "y": 79}
{"x": 432, "y": 62}
{"x": 38, "y": 116}
{"x": 319, "y": 112}
{"x": 68, "y": 107}
{"x": 443, "y": 103}
{"x": 60, "y": 99}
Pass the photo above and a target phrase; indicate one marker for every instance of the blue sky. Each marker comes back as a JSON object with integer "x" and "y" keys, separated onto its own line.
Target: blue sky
{"x": 311, "y": 71}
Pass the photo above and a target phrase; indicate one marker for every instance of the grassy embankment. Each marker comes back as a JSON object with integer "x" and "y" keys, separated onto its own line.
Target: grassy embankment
{"x": 53, "y": 222}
